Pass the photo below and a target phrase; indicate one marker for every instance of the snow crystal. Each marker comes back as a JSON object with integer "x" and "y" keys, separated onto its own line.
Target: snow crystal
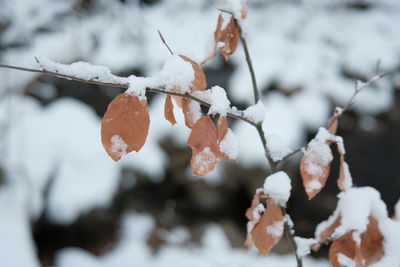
{"x": 276, "y": 229}
{"x": 256, "y": 112}
{"x": 81, "y": 70}
{"x": 303, "y": 245}
{"x": 313, "y": 185}
{"x": 277, "y": 149}
{"x": 348, "y": 180}
{"x": 177, "y": 73}
{"x": 229, "y": 145}
{"x": 278, "y": 187}
{"x": 195, "y": 110}
{"x": 138, "y": 85}
{"x": 216, "y": 96}
{"x": 203, "y": 158}
{"x": 345, "y": 261}
{"x": 397, "y": 210}
{"x": 118, "y": 145}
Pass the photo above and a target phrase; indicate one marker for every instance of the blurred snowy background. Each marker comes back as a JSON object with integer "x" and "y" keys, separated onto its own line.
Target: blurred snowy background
{"x": 64, "y": 203}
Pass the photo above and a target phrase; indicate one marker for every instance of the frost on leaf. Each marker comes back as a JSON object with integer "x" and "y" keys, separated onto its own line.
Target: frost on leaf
{"x": 203, "y": 141}
{"x": 169, "y": 110}
{"x": 125, "y": 125}
{"x": 225, "y": 39}
{"x": 266, "y": 223}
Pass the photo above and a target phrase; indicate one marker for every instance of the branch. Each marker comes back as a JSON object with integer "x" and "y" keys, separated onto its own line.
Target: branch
{"x": 289, "y": 233}
{"x": 234, "y": 114}
{"x": 164, "y": 42}
{"x": 359, "y": 86}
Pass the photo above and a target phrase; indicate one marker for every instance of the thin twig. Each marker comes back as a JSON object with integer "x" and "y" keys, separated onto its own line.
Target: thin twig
{"x": 290, "y": 237}
{"x": 359, "y": 86}
{"x": 273, "y": 165}
{"x": 235, "y": 115}
{"x": 165, "y": 43}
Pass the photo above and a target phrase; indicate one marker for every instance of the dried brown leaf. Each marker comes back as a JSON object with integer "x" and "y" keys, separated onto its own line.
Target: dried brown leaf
{"x": 229, "y": 36}
{"x": 369, "y": 251}
{"x": 347, "y": 246}
{"x": 222, "y": 127}
{"x": 169, "y": 110}
{"x": 265, "y": 229}
{"x": 125, "y": 125}
{"x": 199, "y": 83}
{"x": 191, "y": 111}
{"x": 313, "y": 177}
{"x": 203, "y": 141}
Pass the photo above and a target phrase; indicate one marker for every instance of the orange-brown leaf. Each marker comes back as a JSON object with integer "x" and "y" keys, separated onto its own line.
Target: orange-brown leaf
{"x": 169, "y": 110}
{"x": 267, "y": 230}
{"x": 203, "y": 141}
{"x": 191, "y": 111}
{"x": 315, "y": 176}
{"x": 229, "y": 36}
{"x": 199, "y": 83}
{"x": 125, "y": 125}
{"x": 370, "y": 251}
{"x": 372, "y": 242}
{"x": 222, "y": 127}
{"x": 348, "y": 247}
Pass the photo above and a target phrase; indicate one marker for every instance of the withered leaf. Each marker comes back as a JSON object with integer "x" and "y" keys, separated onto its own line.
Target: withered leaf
{"x": 203, "y": 141}
{"x": 314, "y": 172}
{"x": 125, "y": 125}
{"x": 169, "y": 110}
{"x": 229, "y": 36}
{"x": 199, "y": 83}
{"x": 191, "y": 111}
{"x": 368, "y": 252}
{"x": 222, "y": 127}
{"x": 264, "y": 230}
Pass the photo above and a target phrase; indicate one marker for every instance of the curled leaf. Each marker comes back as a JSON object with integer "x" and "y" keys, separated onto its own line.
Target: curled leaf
{"x": 266, "y": 223}
{"x": 228, "y": 36}
{"x": 169, "y": 110}
{"x": 125, "y": 125}
{"x": 203, "y": 141}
